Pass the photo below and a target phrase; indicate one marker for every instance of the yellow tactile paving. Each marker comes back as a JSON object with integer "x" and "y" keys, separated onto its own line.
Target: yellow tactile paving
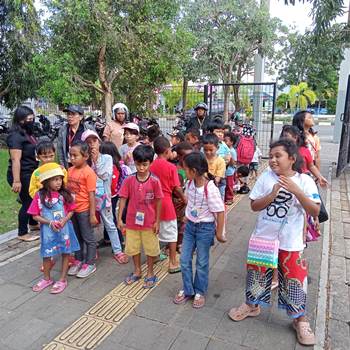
{"x": 98, "y": 322}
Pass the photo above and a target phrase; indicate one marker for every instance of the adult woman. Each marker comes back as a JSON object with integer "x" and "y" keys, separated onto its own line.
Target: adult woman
{"x": 21, "y": 144}
{"x": 113, "y": 131}
{"x": 304, "y": 121}
{"x": 70, "y": 132}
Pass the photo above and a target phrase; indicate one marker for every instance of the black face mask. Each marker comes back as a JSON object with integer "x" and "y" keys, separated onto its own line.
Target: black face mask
{"x": 28, "y": 127}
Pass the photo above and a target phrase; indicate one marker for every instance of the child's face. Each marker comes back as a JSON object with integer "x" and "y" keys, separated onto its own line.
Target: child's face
{"x": 309, "y": 120}
{"x": 47, "y": 157}
{"x": 228, "y": 142}
{"x": 183, "y": 154}
{"x": 219, "y": 133}
{"x": 210, "y": 151}
{"x": 174, "y": 140}
{"x": 130, "y": 138}
{"x": 290, "y": 136}
{"x": 76, "y": 158}
{"x": 279, "y": 161}
{"x": 190, "y": 173}
{"x": 93, "y": 143}
{"x": 191, "y": 138}
{"x": 142, "y": 167}
{"x": 55, "y": 183}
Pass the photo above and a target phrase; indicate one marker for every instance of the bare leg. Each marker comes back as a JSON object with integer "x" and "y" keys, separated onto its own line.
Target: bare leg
{"x": 137, "y": 264}
{"x": 65, "y": 266}
{"x": 172, "y": 256}
{"x": 150, "y": 260}
{"x": 47, "y": 267}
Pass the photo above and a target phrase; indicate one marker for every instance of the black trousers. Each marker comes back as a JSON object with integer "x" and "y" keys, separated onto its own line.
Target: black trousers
{"x": 23, "y": 218}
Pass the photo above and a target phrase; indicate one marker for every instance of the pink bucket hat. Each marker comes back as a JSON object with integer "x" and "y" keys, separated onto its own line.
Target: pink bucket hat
{"x": 88, "y": 133}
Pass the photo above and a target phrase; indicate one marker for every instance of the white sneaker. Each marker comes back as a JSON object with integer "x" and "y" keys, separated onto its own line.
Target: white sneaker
{"x": 74, "y": 269}
{"x": 86, "y": 270}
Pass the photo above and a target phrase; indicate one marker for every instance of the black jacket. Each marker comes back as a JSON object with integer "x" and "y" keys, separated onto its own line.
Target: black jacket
{"x": 194, "y": 124}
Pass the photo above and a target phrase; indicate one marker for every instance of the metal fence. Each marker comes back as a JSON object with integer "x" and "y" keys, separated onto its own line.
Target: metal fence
{"x": 252, "y": 102}
{"x": 344, "y": 147}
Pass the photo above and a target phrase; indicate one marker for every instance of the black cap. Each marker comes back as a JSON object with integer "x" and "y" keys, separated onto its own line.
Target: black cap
{"x": 74, "y": 109}
{"x": 178, "y": 134}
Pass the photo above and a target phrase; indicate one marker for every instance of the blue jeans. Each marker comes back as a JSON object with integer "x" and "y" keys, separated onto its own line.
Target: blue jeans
{"x": 196, "y": 237}
{"x": 108, "y": 223}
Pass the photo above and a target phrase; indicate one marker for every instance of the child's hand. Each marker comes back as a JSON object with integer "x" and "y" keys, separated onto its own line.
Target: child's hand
{"x": 93, "y": 220}
{"x": 317, "y": 224}
{"x": 288, "y": 184}
{"x": 62, "y": 222}
{"x": 55, "y": 225}
{"x": 276, "y": 188}
{"x": 217, "y": 179}
{"x": 221, "y": 237}
{"x": 94, "y": 154}
{"x": 323, "y": 181}
{"x": 121, "y": 227}
{"x": 156, "y": 228}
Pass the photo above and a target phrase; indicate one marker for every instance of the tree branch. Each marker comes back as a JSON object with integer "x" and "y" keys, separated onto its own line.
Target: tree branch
{"x": 5, "y": 91}
{"x": 102, "y": 74}
{"x": 87, "y": 83}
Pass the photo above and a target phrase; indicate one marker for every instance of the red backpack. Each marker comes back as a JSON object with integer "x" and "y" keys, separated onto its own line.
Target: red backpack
{"x": 245, "y": 149}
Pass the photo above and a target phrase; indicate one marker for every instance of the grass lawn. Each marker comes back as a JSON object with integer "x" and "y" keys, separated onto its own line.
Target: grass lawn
{"x": 8, "y": 205}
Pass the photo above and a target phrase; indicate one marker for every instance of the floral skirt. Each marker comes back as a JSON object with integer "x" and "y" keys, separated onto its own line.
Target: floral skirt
{"x": 292, "y": 283}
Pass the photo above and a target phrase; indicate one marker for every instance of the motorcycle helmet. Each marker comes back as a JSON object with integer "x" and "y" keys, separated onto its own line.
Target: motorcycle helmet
{"x": 201, "y": 105}
{"x": 121, "y": 106}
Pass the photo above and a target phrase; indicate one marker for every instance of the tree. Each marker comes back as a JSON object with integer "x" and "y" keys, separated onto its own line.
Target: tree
{"x": 230, "y": 34}
{"x": 282, "y": 101}
{"x": 123, "y": 48}
{"x": 20, "y": 38}
{"x": 300, "y": 96}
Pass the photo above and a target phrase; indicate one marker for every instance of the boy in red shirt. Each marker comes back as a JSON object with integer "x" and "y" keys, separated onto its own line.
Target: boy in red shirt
{"x": 169, "y": 179}
{"x": 144, "y": 192}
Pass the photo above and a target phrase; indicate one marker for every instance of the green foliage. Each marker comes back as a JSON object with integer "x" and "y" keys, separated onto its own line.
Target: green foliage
{"x": 20, "y": 39}
{"x": 282, "y": 101}
{"x": 300, "y": 96}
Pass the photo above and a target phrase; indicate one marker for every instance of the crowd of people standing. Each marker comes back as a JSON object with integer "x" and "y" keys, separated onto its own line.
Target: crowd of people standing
{"x": 167, "y": 196}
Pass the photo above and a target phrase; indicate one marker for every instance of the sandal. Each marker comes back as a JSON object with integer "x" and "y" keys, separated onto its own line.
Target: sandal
{"x": 58, "y": 287}
{"x": 243, "y": 311}
{"x": 174, "y": 269}
{"x": 150, "y": 282}
{"x": 131, "y": 278}
{"x": 305, "y": 335}
{"x": 42, "y": 284}
{"x": 181, "y": 298}
{"x": 199, "y": 301}
{"x": 28, "y": 238}
{"x": 121, "y": 258}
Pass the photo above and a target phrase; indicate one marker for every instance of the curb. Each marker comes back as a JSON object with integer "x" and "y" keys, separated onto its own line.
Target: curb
{"x": 322, "y": 300}
{"x": 5, "y": 237}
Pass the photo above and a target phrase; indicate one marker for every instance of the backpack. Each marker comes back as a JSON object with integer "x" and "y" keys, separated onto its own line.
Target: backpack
{"x": 245, "y": 149}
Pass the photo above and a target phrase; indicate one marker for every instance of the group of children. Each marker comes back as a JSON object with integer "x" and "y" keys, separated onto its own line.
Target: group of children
{"x": 174, "y": 193}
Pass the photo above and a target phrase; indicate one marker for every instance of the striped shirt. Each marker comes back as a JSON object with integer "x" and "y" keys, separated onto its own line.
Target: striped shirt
{"x": 203, "y": 203}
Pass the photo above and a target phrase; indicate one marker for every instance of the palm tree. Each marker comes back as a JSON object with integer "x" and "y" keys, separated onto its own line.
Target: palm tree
{"x": 300, "y": 96}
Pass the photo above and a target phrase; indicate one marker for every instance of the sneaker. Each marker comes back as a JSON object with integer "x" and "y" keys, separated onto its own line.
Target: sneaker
{"x": 305, "y": 335}
{"x": 74, "y": 269}
{"x": 86, "y": 270}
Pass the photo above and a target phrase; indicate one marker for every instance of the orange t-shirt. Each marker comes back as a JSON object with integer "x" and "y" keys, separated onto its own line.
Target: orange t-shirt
{"x": 80, "y": 182}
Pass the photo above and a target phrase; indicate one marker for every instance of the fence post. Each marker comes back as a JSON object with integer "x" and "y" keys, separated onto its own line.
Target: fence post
{"x": 206, "y": 94}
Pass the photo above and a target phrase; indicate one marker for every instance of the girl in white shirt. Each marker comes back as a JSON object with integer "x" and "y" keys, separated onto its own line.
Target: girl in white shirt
{"x": 282, "y": 196}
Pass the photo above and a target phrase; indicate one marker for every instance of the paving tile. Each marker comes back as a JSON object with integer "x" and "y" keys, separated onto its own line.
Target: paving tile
{"x": 339, "y": 335}
{"x": 190, "y": 340}
{"x": 215, "y": 344}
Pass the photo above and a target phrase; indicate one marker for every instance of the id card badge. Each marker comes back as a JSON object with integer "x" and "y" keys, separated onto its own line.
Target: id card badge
{"x": 201, "y": 132}
{"x": 194, "y": 212}
{"x": 57, "y": 215}
{"x": 139, "y": 218}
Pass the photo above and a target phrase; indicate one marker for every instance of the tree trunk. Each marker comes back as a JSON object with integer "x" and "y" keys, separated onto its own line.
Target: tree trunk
{"x": 107, "y": 105}
{"x": 236, "y": 98}
{"x": 184, "y": 94}
{"x": 226, "y": 102}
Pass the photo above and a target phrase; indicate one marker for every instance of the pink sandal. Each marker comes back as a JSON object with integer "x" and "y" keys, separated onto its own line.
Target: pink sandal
{"x": 58, "y": 287}
{"x": 121, "y": 258}
{"x": 42, "y": 284}
{"x": 243, "y": 311}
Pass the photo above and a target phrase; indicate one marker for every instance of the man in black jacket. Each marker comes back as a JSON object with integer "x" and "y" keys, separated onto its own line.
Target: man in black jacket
{"x": 201, "y": 120}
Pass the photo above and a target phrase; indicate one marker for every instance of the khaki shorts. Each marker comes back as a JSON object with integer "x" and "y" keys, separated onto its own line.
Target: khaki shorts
{"x": 135, "y": 239}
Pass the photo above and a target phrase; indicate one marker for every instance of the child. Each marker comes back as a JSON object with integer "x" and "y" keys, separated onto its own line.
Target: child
{"x": 308, "y": 166}
{"x": 82, "y": 183}
{"x": 167, "y": 174}
{"x": 120, "y": 173}
{"x": 182, "y": 149}
{"x": 282, "y": 196}
{"x": 241, "y": 178}
{"x": 217, "y": 128}
{"x": 45, "y": 152}
{"x": 176, "y": 137}
{"x": 230, "y": 140}
{"x": 193, "y": 136}
{"x": 254, "y": 164}
{"x": 53, "y": 208}
{"x": 102, "y": 165}
{"x": 203, "y": 208}
{"x": 144, "y": 192}
{"x": 216, "y": 164}
{"x": 131, "y": 135}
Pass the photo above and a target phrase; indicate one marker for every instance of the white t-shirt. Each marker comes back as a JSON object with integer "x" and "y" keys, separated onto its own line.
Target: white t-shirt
{"x": 124, "y": 150}
{"x": 201, "y": 206}
{"x": 270, "y": 219}
{"x": 257, "y": 155}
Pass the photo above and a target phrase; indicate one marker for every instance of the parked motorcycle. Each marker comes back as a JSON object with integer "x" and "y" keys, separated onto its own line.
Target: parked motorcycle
{"x": 98, "y": 123}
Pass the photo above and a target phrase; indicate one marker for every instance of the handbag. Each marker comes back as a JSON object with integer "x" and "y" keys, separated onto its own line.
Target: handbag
{"x": 323, "y": 215}
{"x": 264, "y": 252}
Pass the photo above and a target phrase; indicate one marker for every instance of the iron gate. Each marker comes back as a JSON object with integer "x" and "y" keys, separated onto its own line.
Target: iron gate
{"x": 255, "y": 103}
{"x": 344, "y": 147}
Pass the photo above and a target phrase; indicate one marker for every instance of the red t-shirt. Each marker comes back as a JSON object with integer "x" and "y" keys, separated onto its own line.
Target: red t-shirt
{"x": 115, "y": 179}
{"x": 36, "y": 205}
{"x": 169, "y": 179}
{"x": 142, "y": 198}
{"x": 307, "y": 158}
